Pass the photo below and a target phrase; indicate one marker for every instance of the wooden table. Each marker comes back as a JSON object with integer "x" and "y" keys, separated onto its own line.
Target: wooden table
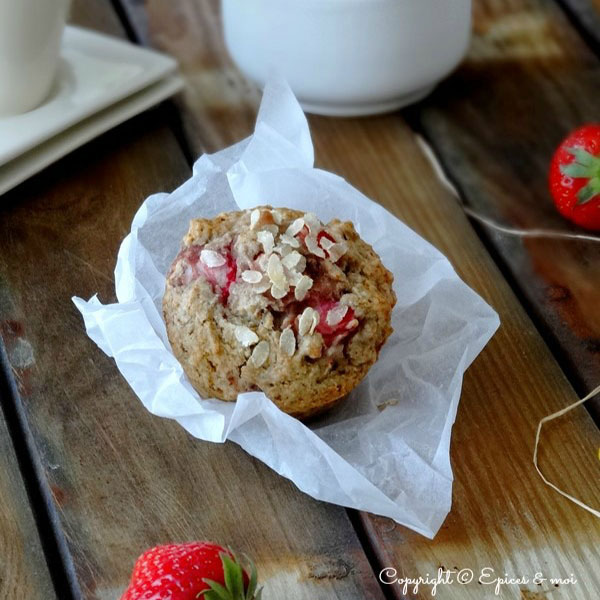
{"x": 100, "y": 492}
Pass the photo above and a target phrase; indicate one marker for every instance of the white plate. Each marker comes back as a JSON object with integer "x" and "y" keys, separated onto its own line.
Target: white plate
{"x": 95, "y": 72}
{"x": 34, "y": 160}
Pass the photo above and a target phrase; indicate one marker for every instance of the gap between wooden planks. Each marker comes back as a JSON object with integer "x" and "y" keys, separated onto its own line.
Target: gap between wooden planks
{"x": 503, "y": 516}
{"x": 123, "y": 480}
{"x": 23, "y": 571}
{"x": 585, "y": 16}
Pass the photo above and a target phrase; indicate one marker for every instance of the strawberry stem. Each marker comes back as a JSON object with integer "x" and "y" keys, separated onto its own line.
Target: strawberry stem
{"x": 586, "y": 166}
{"x": 234, "y": 581}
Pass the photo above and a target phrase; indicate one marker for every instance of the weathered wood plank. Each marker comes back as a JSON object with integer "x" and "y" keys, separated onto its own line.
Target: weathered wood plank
{"x": 23, "y": 571}
{"x": 121, "y": 479}
{"x": 503, "y": 515}
{"x": 529, "y": 79}
{"x": 218, "y": 106}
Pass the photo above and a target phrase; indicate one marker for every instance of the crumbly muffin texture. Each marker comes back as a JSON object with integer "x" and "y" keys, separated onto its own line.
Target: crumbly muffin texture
{"x": 273, "y": 300}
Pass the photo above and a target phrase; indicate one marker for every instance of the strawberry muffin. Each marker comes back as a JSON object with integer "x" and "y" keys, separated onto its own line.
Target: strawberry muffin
{"x": 273, "y": 300}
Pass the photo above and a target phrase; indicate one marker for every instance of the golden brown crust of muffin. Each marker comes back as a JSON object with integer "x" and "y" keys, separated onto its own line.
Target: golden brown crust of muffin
{"x": 215, "y": 329}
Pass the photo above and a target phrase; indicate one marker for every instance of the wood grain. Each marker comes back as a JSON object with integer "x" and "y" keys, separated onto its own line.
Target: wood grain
{"x": 528, "y": 80}
{"x": 23, "y": 571}
{"x": 218, "y": 107}
{"x": 503, "y": 516}
{"x": 123, "y": 480}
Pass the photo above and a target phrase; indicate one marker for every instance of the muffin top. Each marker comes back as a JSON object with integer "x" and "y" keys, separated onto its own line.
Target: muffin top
{"x": 273, "y": 300}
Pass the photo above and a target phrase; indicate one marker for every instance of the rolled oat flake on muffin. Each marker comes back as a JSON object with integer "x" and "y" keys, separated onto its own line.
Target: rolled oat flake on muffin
{"x": 273, "y": 300}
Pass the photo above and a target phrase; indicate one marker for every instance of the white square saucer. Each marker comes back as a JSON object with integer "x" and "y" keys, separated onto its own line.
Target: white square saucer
{"x": 102, "y": 81}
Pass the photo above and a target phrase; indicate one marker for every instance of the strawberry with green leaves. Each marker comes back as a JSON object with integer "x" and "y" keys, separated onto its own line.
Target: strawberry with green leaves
{"x": 575, "y": 177}
{"x": 196, "y": 570}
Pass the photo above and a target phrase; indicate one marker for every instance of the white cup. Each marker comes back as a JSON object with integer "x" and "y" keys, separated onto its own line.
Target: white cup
{"x": 30, "y": 36}
{"x": 349, "y": 57}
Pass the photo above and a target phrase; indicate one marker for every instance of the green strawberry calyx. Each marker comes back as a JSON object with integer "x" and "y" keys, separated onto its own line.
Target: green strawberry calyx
{"x": 234, "y": 581}
{"x": 585, "y": 165}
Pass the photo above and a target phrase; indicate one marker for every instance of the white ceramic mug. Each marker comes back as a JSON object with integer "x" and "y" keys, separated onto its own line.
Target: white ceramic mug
{"x": 30, "y": 36}
{"x": 349, "y": 57}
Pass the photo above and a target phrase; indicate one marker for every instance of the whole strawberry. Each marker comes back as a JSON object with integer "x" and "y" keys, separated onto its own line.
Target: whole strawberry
{"x": 575, "y": 177}
{"x": 190, "y": 571}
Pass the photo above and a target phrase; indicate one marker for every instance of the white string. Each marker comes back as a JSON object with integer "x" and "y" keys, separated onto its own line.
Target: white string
{"x": 551, "y": 417}
{"x": 539, "y": 233}
{"x": 529, "y": 232}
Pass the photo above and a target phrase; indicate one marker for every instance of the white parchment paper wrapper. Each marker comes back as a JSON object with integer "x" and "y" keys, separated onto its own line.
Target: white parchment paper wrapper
{"x": 386, "y": 449}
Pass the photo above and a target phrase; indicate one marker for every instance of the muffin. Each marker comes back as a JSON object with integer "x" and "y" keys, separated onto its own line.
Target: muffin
{"x": 272, "y": 300}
